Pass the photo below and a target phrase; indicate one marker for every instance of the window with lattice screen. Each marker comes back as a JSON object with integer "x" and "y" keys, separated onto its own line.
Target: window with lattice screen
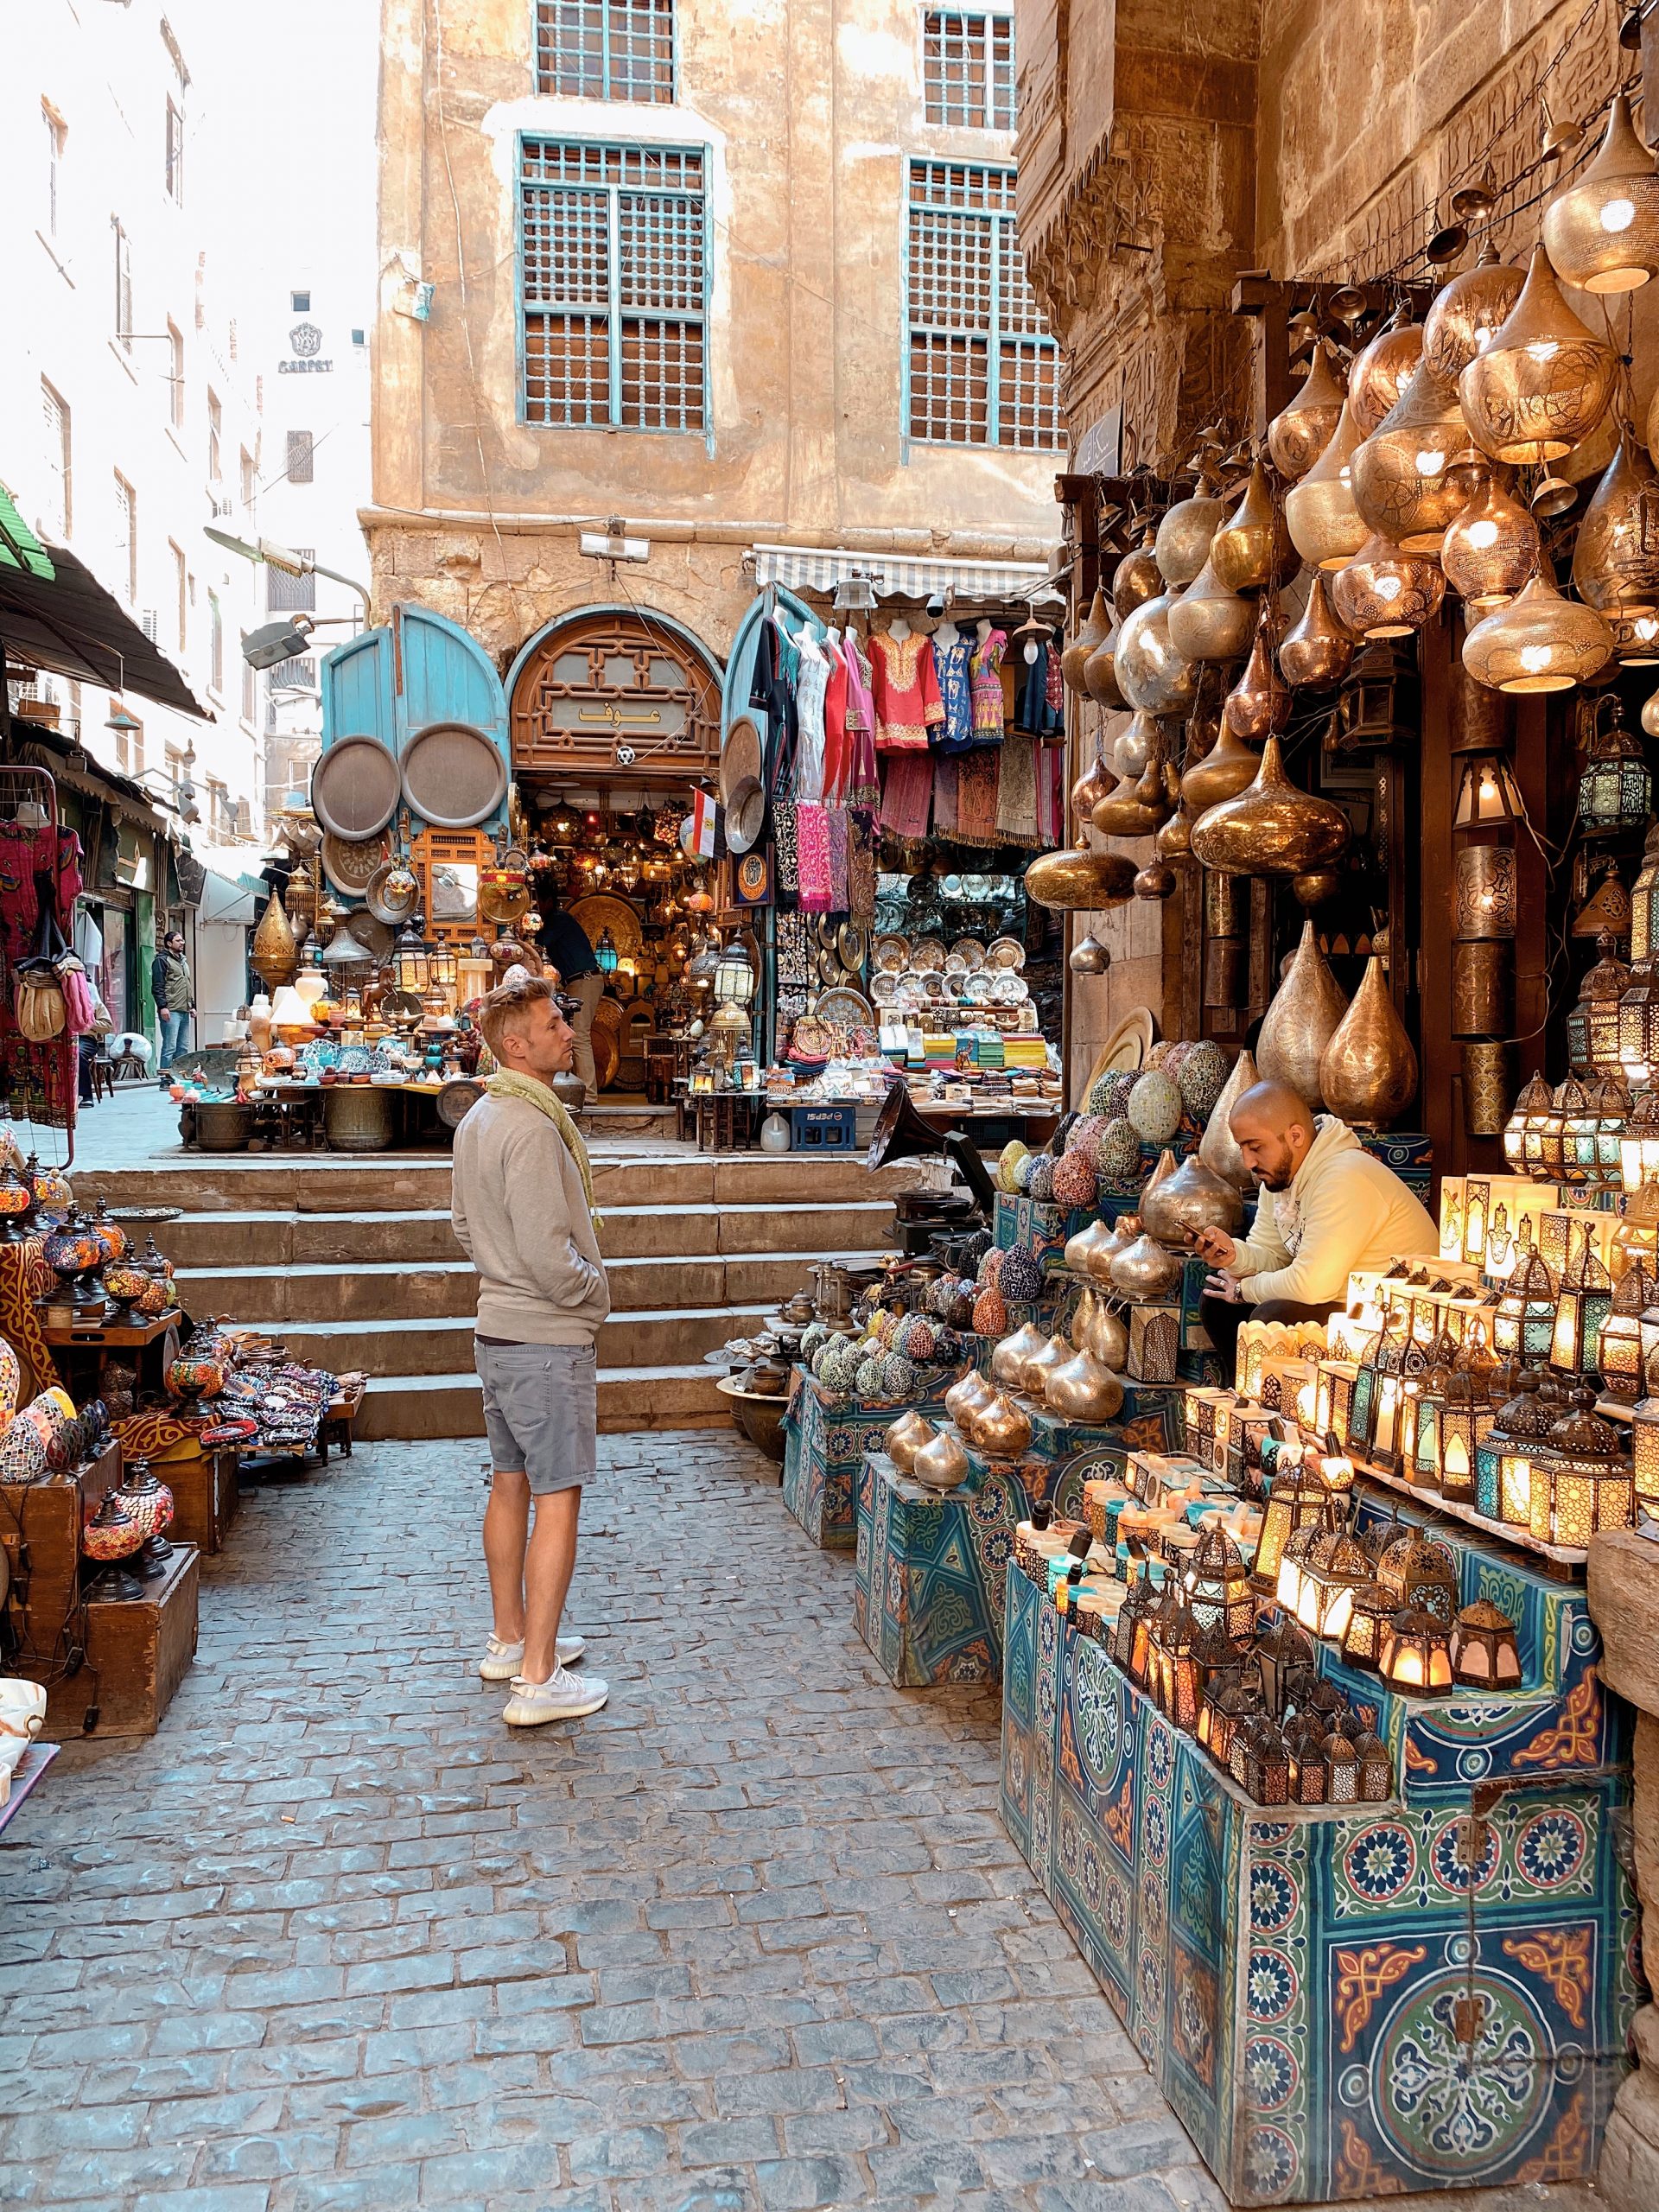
{"x": 968, "y": 69}
{"x": 605, "y": 49}
{"x": 983, "y": 370}
{"x": 613, "y": 248}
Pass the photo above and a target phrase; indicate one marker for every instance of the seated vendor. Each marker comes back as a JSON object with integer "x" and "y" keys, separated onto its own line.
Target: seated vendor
{"x": 1327, "y": 1207}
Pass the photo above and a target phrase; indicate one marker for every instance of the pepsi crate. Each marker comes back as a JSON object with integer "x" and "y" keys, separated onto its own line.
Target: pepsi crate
{"x": 822, "y": 1129}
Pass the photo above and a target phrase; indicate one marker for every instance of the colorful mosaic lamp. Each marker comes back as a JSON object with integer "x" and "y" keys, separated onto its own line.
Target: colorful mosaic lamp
{"x": 1583, "y": 1485}
{"x": 1416, "y": 1656}
{"x": 1483, "y": 1649}
{"x": 1582, "y": 1305}
{"x": 1369, "y": 1612}
{"x": 1420, "y": 1575}
{"x": 1616, "y": 789}
{"x": 1619, "y": 1348}
{"x": 1523, "y": 1327}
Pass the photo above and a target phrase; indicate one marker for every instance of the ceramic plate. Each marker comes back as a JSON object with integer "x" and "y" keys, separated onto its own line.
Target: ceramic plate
{"x": 927, "y": 954}
{"x": 884, "y": 990}
{"x": 843, "y": 1005}
{"x": 892, "y": 954}
{"x": 1126, "y": 1049}
{"x": 1006, "y": 952}
{"x": 977, "y": 991}
{"x": 970, "y": 952}
{"x": 955, "y": 964}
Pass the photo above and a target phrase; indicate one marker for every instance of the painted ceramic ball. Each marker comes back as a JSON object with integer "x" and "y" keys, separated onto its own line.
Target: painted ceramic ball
{"x": 1159, "y": 1054}
{"x": 886, "y": 1330}
{"x": 867, "y": 1378}
{"x": 991, "y": 1312}
{"x": 1202, "y": 1077}
{"x": 1021, "y": 1279}
{"x": 948, "y": 1350}
{"x": 812, "y": 1337}
{"x": 1117, "y": 1155}
{"x": 990, "y": 1264}
{"x": 941, "y": 1296}
{"x": 897, "y": 1376}
{"x": 1039, "y": 1183}
{"x": 1008, "y": 1163}
{"x": 920, "y": 1341}
{"x": 1086, "y": 1132}
{"x": 1076, "y": 1183}
{"x": 10, "y": 1381}
{"x": 1110, "y": 1094}
{"x": 1155, "y": 1107}
{"x": 824, "y": 1362}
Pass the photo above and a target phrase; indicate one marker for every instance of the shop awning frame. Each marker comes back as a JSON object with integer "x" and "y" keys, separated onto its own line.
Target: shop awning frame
{"x": 898, "y": 575}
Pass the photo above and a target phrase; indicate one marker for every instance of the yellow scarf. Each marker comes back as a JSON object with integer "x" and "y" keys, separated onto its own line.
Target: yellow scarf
{"x": 504, "y": 1084}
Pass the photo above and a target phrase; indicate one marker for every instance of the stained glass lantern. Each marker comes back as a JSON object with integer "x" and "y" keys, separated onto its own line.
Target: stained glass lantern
{"x": 1644, "y": 1438}
{"x": 1638, "y": 1147}
{"x": 1135, "y": 1605}
{"x": 1140, "y": 1647}
{"x": 1619, "y": 1348}
{"x": 1616, "y": 789}
{"x": 1266, "y": 1764}
{"x": 443, "y": 965}
{"x": 1592, "y": 1024}
{"x": 1523, "y": 1327}
{"x": 1612, "y": 1102}
{"x": 1642, "y": 940}
{"x": 1583, "y": 1483}
{"x": 1582, "y": 1305}
{"x": 1369, "y": 1612}
{"x": 1292, "y": 1564}
{"x": 1417, "y": 1653}
{"x": 1523, "y": 1133}
{"x": 1567, "y": 1108}
{"x": 1295, "y": 1500}
{"x": 1281, "y": 1652}
{"x": 1219, "y": 1584}
{"x": 411, "y": 960}
{"x": 1420, "y": 1575}
{"x": 1336, "y": 1567}
{"x": 1638, "y": 1021}
{"x": 1484, "y": 1650}
{"x": 1180, "y": 1670}
{"x": 1376, "y": 1769}
{"x": 1224, "y": 1708}
{"x": 1309, "y": 1759}
{"x": 1487, "y": 797}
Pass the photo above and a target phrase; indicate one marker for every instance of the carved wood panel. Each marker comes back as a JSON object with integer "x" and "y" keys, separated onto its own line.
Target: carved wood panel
{"x": 606, "y": 682}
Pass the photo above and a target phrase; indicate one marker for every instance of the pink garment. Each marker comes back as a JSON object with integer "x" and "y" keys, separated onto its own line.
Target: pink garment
{"x": 860, "y": 703}
{"x": 985, "y": 668}
{"x": 837, "y": 751}
{"x": 812, "y": 850}
{"x": 907, "y": 793}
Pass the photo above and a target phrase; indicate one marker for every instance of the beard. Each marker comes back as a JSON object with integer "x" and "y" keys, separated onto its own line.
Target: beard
{"x": 1275, "y": 1179}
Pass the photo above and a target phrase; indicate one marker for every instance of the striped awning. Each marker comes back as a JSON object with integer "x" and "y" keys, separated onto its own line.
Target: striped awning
{"x": 893, "y": 575}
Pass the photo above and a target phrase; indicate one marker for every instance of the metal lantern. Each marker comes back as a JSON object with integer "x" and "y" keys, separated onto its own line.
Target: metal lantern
{"x": 1376, "y": 1769}
{"x": 1266, "y": 1775}
{"x": 1282, "y": 1653}
{"x": 1638, "y": 1147}
{"x": 734, "y": 977}
{"x": 1487, "y": 797}
{"x": 411, "y": 959}
{"x": 1179, "y": 1669}
{"x": 1416, "y": 1657}
{"x": 1582, "y": 1305}
{"x": 1294, "y": 1561}
{"x": 1524, "y": 1325}
{"x": 1419, "y": 1573}
{"x": 1294, "y": 1501}
{"x": 1503, "y": 1458}
{"x": 1342, "y": 1769}
{"x": 605, "y": 954}
{"x": 1370, "y": 1609}
{"x": 1616, "y": 789}
{"x": 1336, "y": 1567}
{"x": 1218, "y": 1585}
{"x": 1641, "y": 897}
{"x": 1310, "y": 1765}
{"x": 1333, "y": 1398}
{"x": 1523, "y": 1134}
{"x": 1129, "y": 1613}
{"x": 1228, "y": 1701}
{"x": 1592, "y": 1024}
{"x": 1484, "y": 1650}
{"x": 1583, "y": 1483}
{"x": 1645, "y": 1439}
{"x": 1639, "y": 1020}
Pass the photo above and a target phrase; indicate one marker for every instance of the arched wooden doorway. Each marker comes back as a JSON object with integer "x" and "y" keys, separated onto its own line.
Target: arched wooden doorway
{"x": 595, "y": 685}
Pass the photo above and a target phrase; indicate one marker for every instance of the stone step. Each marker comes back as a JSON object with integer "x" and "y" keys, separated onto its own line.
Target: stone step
{"x": 654, "y": 1231}
{"x": 405, "y": 1407}
{"x": 425, "y": 1344}
{"x": 232, "y": 1242}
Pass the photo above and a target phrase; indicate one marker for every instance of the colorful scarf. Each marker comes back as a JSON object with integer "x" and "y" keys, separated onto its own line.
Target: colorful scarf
{"x": 505, "y": 1084}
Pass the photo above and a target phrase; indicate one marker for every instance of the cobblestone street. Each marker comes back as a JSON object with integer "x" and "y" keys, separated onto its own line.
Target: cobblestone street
{"x": 752, "y": 1936}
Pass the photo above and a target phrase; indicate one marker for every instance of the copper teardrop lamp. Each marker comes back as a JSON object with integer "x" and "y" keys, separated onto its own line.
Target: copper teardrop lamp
{"x": 1385, "y": 592}
{"x": 1602, "y": 233}
{"x": 1411, "y": 476}
{"x": 1271, "y": 829}
{"x": 1469, "y": 313}
{"x": 1539, "y": 642}
{"x": 1490, "y": 548}
{"x": 1319, "y": 512}
{"x": 1382, "y": 370}
{"x": 1544, "y": 382}
{"x": 1069, "y": 882}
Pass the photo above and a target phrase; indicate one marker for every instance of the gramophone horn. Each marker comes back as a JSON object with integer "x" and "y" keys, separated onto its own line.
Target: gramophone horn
{"x": 901, "y": 1134}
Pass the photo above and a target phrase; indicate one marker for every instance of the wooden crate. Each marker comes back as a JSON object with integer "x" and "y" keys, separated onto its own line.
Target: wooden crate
{"x": 206, "y": 1499}
{"x": 44, "y": 1520}
{"x": 138, "y": 1652}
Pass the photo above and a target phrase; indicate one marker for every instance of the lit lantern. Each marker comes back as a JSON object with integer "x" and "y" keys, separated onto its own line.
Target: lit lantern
{"x": 1333, "y": 1398}
{"x": 443, "y": 966}
{"x": 1376, "y": 1769}
{"x": 1568, "y": 1106}
{"x": 1342, "y": 1770}
{"x": 1592, "y": 1024}
{"x": 1226, "y": 1706}
{"x": 1336, "y": 1567}
{"x": 1504, "y": 1461}
{"x": 605, "y": 953}
{"x": 1296, "y": 1501}
{"x": 1420, "y": 1575}
{"x": 1612, "y": 1104}
{"x": 1582, "y": 1305}
{"x": 734, "y": 977}
{"x": 1263, "y": 1770}
{"x": 1370, "y": 1612}
{"x": 1523, "y": 1327}
{"x": 1218, "y": 1585}
{"x": 1293, "y": 1565}
{"x": 1616, "y": 789}
{"x": 1619, "y": 1349}
{"x": 1484, "y": 1650}
{"x": 1638, "y": 1020}
{"x": 1309, "y": 1760}
{"x": 1583, "y": 1485}
{"x": 1644, "y": 1438}
{"x": 1642, "y": 940}
{"x": 1523, "y": 1134}
{"x": 1283, "y": 1653}
{"x": 1417, "y": 1654}
{"x": 411, "y": 960}
{"x": 1141, "y": 1648}
{"x": 1487, "y": 797}
{"x": 1638, "y": 1147}
{"x": 1130, "y": 1614}
{"x": 1181, "y": 1671}
{"x": 1451, "y": 1196}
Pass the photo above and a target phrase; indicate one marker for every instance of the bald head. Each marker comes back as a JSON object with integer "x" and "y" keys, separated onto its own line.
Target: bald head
{"x": 1273, "y": 1127}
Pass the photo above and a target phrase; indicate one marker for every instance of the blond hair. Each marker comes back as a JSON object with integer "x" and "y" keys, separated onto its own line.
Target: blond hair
{"x": 507, "y": 1008}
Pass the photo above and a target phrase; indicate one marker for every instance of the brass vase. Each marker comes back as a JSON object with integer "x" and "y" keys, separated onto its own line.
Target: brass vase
{"x": 1382, "y": 371}
{"x": 1091, "y": 631}
{"x": 1216, "y": 1149}
{"x": 1192, "y": 1197}
{"x": 1100, "y": 674}
{"x": 1467, "y": 315}
{"x": 1319, "y": 512}
{"x": 1074, "y": 881}
{"x": 1241, "y": 552}
{"x": 1544, "y": 382}
{"x": 1317, "y": 650}
{"x": 1083, "y": 1391}
{"x": 1009, "y": 1358}
{"x": 1258, "y": 703}
{"x": 1306, "y": 1011}
{"x": 1146, "y": 1272}
{"x": 1413, "y": 475}
{"x": 1229, "y": 766}
{"x": 1182, "y": 545}
{"x": 276, "y": 954}
{"x": 1271, "y": 827}
{"x": 1002, "y": 1428}
{"x": 941, "y": 1465}
{"x": 1368, "y": 1072}
{"x": 1150, "y": 671}
{"x": 1209, "y": 622}
{"x": 1136, "y": 579}
{"x": 1298, "y": 433}
{"x": 1616, "y": 562}
{"x": 907, "y": 1437}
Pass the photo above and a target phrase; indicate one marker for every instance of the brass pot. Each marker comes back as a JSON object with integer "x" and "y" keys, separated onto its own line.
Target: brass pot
{"x": 1368, "y": 1071}
{"x": 1319, "y": 512}
{"x": 1382, "y": 372}
{"x": 1481, "y": 976}
{"x": 1306, "y": 1012}
{"x": 1083, "y": 1391}
{"x": 1054, "y": 1353}
{"x": 1150, "y": 671}
{"x": 1209, "y": 623}
{"x": 941, "y": 1465}
{"x": 1096, "y": 1328}
{"x": 1136, "y": 579}
{"x": 1317, "y": 650}
{"x": 1080, "y": 1255}
{"x": 907, "y": 1437}
{"x": 1298, "y": 433}
{"x": 1146, "y": 1272}
{"x": 1192, "y": 1197}
{"x": 1182, "y": 545}
{"x": 1242, "y": 550}
{"x": 1229, "y": 767}
{"x": 1091, "y": 631}
{"x": 1003, "y": 1430}
{"x": 1271, "y": 829}
{"x": 1216, "y": 1148}
{"x": 1074, "y": 881}
{"x": 1008, "y": 1360}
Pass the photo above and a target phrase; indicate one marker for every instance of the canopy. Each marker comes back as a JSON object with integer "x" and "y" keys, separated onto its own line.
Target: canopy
{"x": 895, "y": 576}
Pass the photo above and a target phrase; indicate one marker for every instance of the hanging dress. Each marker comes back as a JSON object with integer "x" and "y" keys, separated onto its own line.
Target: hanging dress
{"x": 862, "y": 782}
{"x": 836, "y": 750}
{"x": 811, "y": 683}
{"x": 985, "y": 668}
{"x": 907, "y": 688}
{"x": 956, "y": 732}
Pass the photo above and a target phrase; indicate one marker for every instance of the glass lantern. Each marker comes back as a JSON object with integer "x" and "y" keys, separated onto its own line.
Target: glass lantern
{"x": 1638, "y": 1021}
{"x": 1583, "y": 1485}
{"x": 1420, "y": 1575}
{"x": 1592, "y": 1024}
{"x": 1336, "y": 1567}
{"x": 1642, "y": 940}
{"x": 1524, "y": 1131}
{"x": 1523, "y": 1327}
{"x": 1487, "y": 797}
{"x": 1294, "y": 1500}
{"x": 734, "y": 977}
{"x": 1638, "y": 1144}
{"x": 1619, "y": 1348}
{"x": 411, "y": 960}
{"x": 1179, "y": 1671}
{"x": 1218, "y": 1585}
{"x": 1645, "y": 1439}
{"x": 1294, "y": 1561}
{"x": 1342, "y": 1770}
{"x": 1310, "y": 1765}
{"x": 1370, "y": 1612}
{"x": 1616, "y": 789}
{"x": 1376, "y": 1769}
{"x": 1582, "y": 1305}
{"x": 1282, "y": 1652}
{"x": 443, "y": 966}
{"x": 1416, "y": 1657}
{"x": 1333, "y": 1398}
{"x": 1484, "y": 1650}
{"x": 1227, "y": 1702}
{"x": 1130, "y": 1614}
{"x": 1266, "y": 1764}
{"x": 605, "y": 953}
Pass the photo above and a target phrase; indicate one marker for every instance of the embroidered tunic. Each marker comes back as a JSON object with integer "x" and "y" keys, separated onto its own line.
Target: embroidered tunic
{"x": 956, "y": 732}
{"x": 985, "y": 665}
{"x": 906, "y": 688}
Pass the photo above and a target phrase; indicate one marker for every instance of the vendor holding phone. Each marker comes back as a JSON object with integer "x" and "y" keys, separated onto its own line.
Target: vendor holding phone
{"x": 1327, "y": 1207}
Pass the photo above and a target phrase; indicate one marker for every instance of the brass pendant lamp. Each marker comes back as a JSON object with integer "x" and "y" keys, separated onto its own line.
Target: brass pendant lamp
{"x": 1412, "y": 475}
{"x": 1616, "y": 562}
{"x": 1317, "y": 650}
{"x": 1319, "y": 512}
{"x": 1385, "y": 592}
{"x": 1091, "y": 631}
{"x": 1242, "y": 550}
{"x": 1182, "y": 545}
{"x": 1073, "y": 881}
{"x": 1298, "y": 433}
{"x": 1544, "y": 382}
{"x": 1602, "y": 233}
{"x": 1209, "y": 623}
{"x": 1150, "y": 673}
{"x": 1382, "y": 372}
{"x": 1539, "y": 642}
{"x": 1270, "y": 828}
{"x": 1301, "y": 1021}
{"x": 1490, "y": 548}
{"x": 1468, "y": 313}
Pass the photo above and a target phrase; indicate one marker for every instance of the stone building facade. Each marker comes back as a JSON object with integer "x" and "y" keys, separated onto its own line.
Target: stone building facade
{"x": 647, "y": 260}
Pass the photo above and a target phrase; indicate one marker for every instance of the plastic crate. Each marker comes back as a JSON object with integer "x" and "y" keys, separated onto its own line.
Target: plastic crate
{"x": 822, "y": 1129}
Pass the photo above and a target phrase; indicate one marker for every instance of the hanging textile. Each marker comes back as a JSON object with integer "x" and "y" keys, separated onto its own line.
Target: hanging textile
{"x": 1056, "y": 681}
{"x": 907, "y": 795}
{"x": 1016, "y": 790}
{"x": 955, "y": 731}
{"x": 770, "y": 693}
{"x": 946, "y": 775}
{"x": 39, "y": 877}
{"x": 1033, "y": 711}
{"x": 812, "y": 844}
{"x": 1051, "y": 795}
{"x": 985, "y": 667}
{"x": 811, "y": 683}
{"x": 861, "y": 864}
{"x": 836, "y": 819}
{"x": 907, "y": 688}
{"x": 976, "y": 782}
{"x": 837, "y": 750}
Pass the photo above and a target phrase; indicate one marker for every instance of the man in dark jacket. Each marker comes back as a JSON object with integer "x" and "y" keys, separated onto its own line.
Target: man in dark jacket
{"x": 564, "y": 948}
{"x": 174, "y": 994}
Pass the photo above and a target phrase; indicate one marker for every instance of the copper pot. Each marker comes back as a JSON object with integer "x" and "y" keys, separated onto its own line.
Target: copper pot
{"x": 907, "y": 1437}
{"x": 1146, "y": 1272}
{"x": 1190, "y": 1197}
{"x": 1083, "y": 1391}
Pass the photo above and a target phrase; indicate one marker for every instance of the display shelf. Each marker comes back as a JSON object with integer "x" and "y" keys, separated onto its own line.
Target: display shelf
{"x": 1563, "y": 1556}
{"x": 115, "y": 1339}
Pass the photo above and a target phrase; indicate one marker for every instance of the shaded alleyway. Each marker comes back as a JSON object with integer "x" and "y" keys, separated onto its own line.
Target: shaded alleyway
{"x": 753, "y": 1937}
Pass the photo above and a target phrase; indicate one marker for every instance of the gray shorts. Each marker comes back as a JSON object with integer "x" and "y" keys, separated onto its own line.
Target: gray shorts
{"x": 540, "y": 1412}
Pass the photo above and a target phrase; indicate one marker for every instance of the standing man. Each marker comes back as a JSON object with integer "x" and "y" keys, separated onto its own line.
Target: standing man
{"x": 523, "y": 1212}
{"x": 563, "y": 945}
{"x": 174, "y": 994}
{"x": 1327, "y": 1207}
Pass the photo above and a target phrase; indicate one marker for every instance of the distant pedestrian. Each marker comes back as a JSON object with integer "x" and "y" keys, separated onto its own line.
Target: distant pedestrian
{"x": 566, "y": 948}
{"x": 175, "y": 993}
{"x": 522, "y": 1204}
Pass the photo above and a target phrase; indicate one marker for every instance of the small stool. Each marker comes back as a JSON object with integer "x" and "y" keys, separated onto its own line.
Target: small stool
{"x": 101, "y": 1073}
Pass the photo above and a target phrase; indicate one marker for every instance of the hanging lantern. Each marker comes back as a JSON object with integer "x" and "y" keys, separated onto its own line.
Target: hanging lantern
{"x": 1638, "y": 1022}
{"x": 1490, "y": 548}
{"x": 1615, "y": 559}
{"x": 1258, "y": 703}
{"x": 1606, "y": 913}
{"x": 1300, "y": 432}
{"x": 1315, "y": 650}
{"x": 1241, "y": 552}
{"x": 1592, "y": 1024}
{"x": 1602, "y": 233}
{"x": 1483, "y": 1651}
{"x": 1382, "y": 370}
{"x": 734, "y": 977}
{"x": 1412, "y": 476}
{"x": 1468, "y": 313}
{"x": 1582, "y": 1305}
{"x": 1319, "y": 512}
{"x": 1539, "y": 642}
{"x": 1416, "y": 1656}
{"x": 1543, "y": 383}
{"x": 411, "y": 960}
{"x": 1616, "y": 788}
{"x": 1209, "y": 623}
{"x": 1383, "y": 591}
{"x": 1271, "y": 829}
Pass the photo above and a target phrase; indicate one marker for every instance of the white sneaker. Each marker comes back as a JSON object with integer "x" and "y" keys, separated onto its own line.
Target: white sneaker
{"x": 501, "y": 1662}
{"x": 561, "y": 1697}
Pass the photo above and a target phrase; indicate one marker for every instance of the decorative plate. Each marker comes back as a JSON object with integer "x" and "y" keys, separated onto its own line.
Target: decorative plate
{"x": 809, "y": 1039}
{"x": 1126, "y": 1049}
{"x": 830, "y": 968}
{"x": 952, "y": 885}
{"x": 600, "y": 911}
{"x": 355, "y": 787}
{"x": 884, "y": 990}
{"x": 1009, "y": 988}
{"x": 852, "y": 942}
{"x": 355, "y": 1059}
{"x": 843, "y": 1005}
{"x": 892, "y": 954}
{"x": 977, "y": 991}
{"x": 927, "y": 953}
{"x": 970, "y": 952}
{"x": 350, "y": 863}
{"x": 955, "y": 964}
{"x": 454, "y": 775}
{"x": 1006, "y": 952}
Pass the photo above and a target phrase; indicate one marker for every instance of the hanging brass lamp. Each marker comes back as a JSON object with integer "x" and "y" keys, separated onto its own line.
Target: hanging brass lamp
{"x": 1226, "y": 769}
{"x": 1089, "y": 957}
{"x": 1469, "y": 311}
{"x": 1544, "y": 382}
{"x": 1319, "y": 512}
{"x": 1175, "y": 840}
{"x": 1100, "y": 673}
{"x": 1490, "y": 548}
{"x": 1136, "y": 578}
{"x": 1089, "y": 787}
{"x": 1134, "y": 746}
{"x": 1382, "y": 372}
{"x": 1368, "y": 1072}
{"x": 1091, "y": 631}
{"x": 1182, "y": 545}
{"x": 1150, "y": 673}
{"x": 1385, "y": 592}
{"x": 1270, "y": 828}
{"x": 1136, "y": 809}
{"x": 1073, "y": 881}
{"x": 1155, "y": 881}
{"x": 1616, "y": 563}
{"x": 1209, "y": 623}
{"x": 1242, "y": 550}
{"x": 1412, "y": 475}
{"x": 1602, "y": 233}
{"x": 1298, "y": 433}
{"x": 1317, "y": 650}
{"x": 1258, "y": 703}
{"x": 1300, "y": 1022}
{"x": 275, "y": 958}
{"x": 1539, "y": 642}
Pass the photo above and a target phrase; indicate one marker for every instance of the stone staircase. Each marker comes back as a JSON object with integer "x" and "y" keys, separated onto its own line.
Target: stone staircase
{"x": 355, "y": 1263}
